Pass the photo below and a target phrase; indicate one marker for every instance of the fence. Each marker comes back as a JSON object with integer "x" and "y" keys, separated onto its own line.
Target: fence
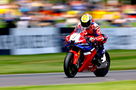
{"x": 20, "y": 41}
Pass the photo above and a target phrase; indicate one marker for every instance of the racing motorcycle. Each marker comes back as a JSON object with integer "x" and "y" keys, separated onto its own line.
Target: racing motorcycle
{"x": 83, "y": 56}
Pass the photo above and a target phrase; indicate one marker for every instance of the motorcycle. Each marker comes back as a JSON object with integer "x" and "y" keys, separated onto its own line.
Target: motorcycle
{"x": 83, "y": 56}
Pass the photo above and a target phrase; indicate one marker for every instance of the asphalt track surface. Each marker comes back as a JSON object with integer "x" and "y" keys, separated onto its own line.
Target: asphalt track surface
{"x": 60, "y": 78}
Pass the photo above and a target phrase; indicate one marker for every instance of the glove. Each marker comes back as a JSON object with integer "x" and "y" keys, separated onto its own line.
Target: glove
{"x": 92, "y": 39}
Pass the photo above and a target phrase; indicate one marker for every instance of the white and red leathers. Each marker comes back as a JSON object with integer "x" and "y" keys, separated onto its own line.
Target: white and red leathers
{"x": 92, "y": 31}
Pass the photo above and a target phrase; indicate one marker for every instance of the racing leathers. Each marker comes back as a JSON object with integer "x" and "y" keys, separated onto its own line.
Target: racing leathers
{"x": 93, "y": 32}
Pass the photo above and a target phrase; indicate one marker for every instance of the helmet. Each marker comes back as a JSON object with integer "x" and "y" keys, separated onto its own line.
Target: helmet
{"x": 86, "y": 20}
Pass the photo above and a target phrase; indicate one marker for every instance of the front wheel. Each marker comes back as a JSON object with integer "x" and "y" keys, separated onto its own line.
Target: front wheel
{"x": 103, "y": 71}
{"x": 69, "y": 68}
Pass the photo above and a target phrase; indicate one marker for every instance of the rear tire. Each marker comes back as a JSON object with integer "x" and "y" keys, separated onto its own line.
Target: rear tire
{"x": 69, "y": 68}
{"x": 102, "y": 72}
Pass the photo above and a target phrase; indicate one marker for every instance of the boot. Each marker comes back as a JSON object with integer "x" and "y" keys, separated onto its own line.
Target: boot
{"x": 102, "y": 62}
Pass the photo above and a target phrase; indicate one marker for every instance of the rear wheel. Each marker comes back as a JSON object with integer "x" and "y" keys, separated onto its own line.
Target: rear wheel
{"x": 103, "y": 71}
{"x": 69, "y": 68}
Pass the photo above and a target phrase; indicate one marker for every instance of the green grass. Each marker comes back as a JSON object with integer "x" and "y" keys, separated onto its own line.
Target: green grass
{"x": 107, "y": 25}
{"x": 31, "y": 63}
{"x": 123, "y": 59}
{"x": 15, "y": 64}
{"x": 133, "y": 24}
{"x": 118, "y": 85}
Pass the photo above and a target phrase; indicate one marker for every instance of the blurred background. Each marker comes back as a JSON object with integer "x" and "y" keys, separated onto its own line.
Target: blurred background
{"x": 39, "y": 26}
{"x": 66, "y": 13}
{"x": 33, "y": 25}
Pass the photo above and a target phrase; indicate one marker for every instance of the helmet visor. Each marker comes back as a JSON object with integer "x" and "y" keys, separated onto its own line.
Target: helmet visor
{"x": 87, "y": 24}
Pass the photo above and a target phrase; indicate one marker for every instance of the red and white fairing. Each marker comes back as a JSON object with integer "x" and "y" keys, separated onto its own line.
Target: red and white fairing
{"x": 77, "y": 37}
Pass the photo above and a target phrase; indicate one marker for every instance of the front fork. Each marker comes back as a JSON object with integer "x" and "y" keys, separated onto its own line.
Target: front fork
{"x": 76, "y": 56}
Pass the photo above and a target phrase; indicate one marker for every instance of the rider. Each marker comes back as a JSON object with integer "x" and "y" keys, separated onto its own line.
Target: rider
{"x": 92, "y": 30}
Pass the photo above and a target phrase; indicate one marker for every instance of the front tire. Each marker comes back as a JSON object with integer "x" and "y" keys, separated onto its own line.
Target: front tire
{"x": 69, "y": 68}
{"x": 103, "y": 71}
